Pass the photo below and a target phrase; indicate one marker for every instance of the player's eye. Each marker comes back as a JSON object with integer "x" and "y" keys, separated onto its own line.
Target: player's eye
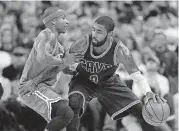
{"x": 18, "y": 54}
{"x": 99, "y": 32}
{"x": 63, "y": 17}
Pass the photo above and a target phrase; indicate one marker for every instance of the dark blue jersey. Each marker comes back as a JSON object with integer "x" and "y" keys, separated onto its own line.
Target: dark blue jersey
{"x": 98, "y": 69}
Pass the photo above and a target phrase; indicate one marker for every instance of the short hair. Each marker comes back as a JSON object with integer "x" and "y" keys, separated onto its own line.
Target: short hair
{"x": 106, "y": 21}
{"x": 49, "y": 11}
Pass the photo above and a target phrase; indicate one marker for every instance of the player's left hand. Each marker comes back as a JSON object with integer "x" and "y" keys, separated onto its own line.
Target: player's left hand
{"x": 78, "y": 57}
{"x": 59, "y": 55}
{"x": 156, "y": 98}
{"x": 65, "y": 97}
{"x": 30, "y": 88}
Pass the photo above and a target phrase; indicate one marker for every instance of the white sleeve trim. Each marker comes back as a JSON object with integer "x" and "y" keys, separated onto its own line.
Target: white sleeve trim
{"x": 141, "y": 82}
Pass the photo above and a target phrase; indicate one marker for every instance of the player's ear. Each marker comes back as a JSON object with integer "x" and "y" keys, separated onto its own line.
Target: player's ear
{"x": 110, "y": 33}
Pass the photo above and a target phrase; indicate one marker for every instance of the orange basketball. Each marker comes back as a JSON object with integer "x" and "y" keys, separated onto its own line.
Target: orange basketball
{"x": 155, "y": 113}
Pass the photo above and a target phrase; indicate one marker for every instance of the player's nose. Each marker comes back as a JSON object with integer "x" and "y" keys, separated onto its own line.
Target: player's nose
{"x": 67, "y": 22}
{"x": 94, "y": 35}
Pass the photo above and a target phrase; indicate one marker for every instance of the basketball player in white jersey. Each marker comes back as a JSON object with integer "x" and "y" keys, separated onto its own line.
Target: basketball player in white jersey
{"x": 43, "y": 73}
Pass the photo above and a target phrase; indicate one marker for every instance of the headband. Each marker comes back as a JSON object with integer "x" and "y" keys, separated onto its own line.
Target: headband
{"x": 56, "y": 14}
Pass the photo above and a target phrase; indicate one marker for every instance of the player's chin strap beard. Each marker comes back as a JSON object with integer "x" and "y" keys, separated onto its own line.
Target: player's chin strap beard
{"x": 101, "y": 42}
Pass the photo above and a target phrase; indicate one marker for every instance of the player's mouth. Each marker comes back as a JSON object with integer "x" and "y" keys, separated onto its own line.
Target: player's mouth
{"x": 94, "y": 40}
{"x": 66, "y": 27}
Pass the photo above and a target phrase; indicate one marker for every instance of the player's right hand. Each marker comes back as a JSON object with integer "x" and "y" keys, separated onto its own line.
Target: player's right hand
{"x": 154, "y": 97}
{"x": 72, "y": 59}
{"x": 78, "y": 57}
{"x": 29, "y": 89}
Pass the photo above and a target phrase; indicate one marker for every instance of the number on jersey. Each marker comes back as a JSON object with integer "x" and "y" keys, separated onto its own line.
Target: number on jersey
{"x": 94, "y": 78}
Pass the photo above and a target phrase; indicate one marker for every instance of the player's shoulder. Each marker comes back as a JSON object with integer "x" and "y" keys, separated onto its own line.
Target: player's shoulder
{"x": 121, "y": 47}
{"x": 45, "y": 31}
{"x": 46, "y": 34}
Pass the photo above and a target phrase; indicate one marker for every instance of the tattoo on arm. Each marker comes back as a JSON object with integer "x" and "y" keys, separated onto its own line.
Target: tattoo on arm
{"x": 42, "y": 46}
{"x": 125, "y": 57}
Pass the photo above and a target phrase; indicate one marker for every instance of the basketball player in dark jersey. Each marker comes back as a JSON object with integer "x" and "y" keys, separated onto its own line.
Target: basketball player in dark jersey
{"x": 96, "y": 76}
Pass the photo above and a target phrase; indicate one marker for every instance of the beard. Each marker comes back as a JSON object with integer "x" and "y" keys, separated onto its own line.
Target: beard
{"x": 99, "y": 43}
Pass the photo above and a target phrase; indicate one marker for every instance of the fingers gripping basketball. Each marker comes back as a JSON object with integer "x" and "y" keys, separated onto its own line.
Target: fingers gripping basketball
{"x": 155, "y": 113}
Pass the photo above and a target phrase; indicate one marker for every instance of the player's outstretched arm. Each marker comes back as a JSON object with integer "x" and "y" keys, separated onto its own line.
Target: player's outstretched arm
{"x": 124, "y": 57}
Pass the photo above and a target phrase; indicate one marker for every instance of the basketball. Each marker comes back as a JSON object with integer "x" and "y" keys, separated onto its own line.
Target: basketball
{"x": 155, "y": 113}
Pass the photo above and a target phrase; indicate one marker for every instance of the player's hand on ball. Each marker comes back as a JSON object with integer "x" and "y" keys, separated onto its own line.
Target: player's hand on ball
{"x": 156, "y": 98}
{"x": 72, "y": 58}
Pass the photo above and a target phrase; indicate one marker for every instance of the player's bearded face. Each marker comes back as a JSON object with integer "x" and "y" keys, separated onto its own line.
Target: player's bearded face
{"x": 61, "y": 24}
{"x": 99, "y": 35}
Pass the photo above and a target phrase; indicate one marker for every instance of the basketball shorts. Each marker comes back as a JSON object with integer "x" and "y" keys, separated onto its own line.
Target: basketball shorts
{"x": 114, "y": 96}
{"x": 41, "y": 99}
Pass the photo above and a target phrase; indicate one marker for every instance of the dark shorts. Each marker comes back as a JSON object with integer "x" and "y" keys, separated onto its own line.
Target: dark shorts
{"x": 114, "y": 96}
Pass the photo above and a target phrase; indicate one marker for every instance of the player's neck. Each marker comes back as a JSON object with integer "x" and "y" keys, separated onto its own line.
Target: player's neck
{"x": 52, "y": 28}
{"x": 152, "y": 73}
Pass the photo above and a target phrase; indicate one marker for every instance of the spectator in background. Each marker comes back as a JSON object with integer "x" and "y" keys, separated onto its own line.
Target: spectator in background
{"x": 137, "y": 33}
{"x": 29, "y": 7}
{"x": 14, "y": 5}
{"x": 27, "y": 36}
{"x": 8, "y": 121}
{"x": 84, "y": 26}
{"x": 1, "y": 91}
{"x": 2, "y": 11}
{"x": 149, "y": 31}
{"x": 159, "y": 84}
{"x": 32, "y": 121}
{"x": 91, "y": 9}
{"x": 151, "y": 71}
{"x": 133, "y": 47}
{"x": 14, "y": 71}
{"x": 6, "y": 37}
{"x": 5, "y": 60}
{"x": 12, "y": 17}
{"x": 169, "y": 61}
{"x": 176, "y": 96}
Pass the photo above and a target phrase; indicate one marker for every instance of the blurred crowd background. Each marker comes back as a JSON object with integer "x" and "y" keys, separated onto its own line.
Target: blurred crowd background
{"x": 148, "y": 28}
